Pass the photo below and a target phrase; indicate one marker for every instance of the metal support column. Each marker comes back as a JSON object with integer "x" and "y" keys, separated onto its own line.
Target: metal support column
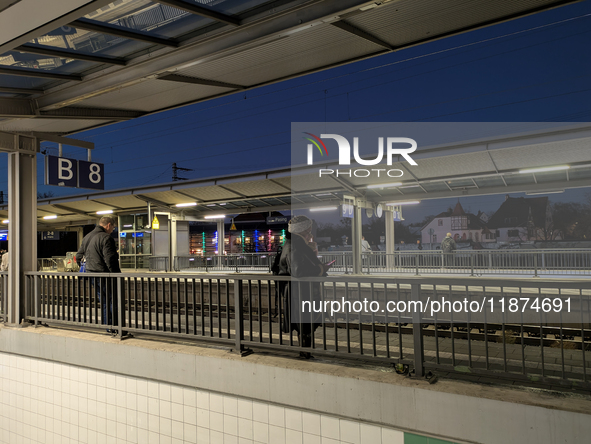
{"x": 221, "y": 243}
{"x": 356, "y": 225}
{"x": 22, "y": 228}
{"x": 390, "y": 240}
{"x": 173, "y": 242}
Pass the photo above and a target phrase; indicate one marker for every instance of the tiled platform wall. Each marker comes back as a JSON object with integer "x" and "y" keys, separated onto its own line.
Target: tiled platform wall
{"x": 43, "y": 402}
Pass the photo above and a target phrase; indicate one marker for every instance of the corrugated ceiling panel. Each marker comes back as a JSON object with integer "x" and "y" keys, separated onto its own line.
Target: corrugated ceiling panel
{"x": 85, "y": 205}
{"x": 152, "y": 95}
{"x": 405, "y": 21}
{"x": 168, "y": 197}
{"x": 313, "y": 184}
{"x": 448, "y": 166}
{"x": 209, "y": 193}
{"x": 48, "y": 125}
{"x": 52, "y": 210}
{"x": 258, "y": 188}
{"x": 546, "y": 154}
{"x": 123, "y": 201}
{"x": 299, "y": 52}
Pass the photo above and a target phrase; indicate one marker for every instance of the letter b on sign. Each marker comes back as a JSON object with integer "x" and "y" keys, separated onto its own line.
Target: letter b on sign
{"x": 91, "y": 175}
{"x": 61, "y": 171}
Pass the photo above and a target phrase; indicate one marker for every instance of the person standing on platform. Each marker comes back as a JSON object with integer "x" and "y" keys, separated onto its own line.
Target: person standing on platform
{"x": 100, "y": 252}
{"x": 448, "y": 247}
{"x": 4, "y": 263}
{"x": 299, "y": 261}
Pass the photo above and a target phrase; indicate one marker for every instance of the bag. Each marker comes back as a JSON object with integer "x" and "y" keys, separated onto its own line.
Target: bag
{"x": 275, "y": 266}
{"x": 83, "y": 265}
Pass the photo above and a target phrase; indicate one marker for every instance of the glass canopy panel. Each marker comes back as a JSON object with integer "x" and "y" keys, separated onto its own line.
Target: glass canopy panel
{"x": 229, "y": 7}
{"x": 90, "y": 42}
{"x": 57, "y": 65}
{"x": 153, "y": 18}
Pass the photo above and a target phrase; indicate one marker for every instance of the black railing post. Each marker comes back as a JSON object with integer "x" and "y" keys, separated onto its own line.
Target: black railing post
{"x": 238, "y": 318}
{"x": 535, "y": 264}
{"x": 36, "y": 297}
{"x": 119, "y": 308}
{"x": 472, "y": 258}
{"x": 416, "y": 264}
{"x": 417, "y": 333}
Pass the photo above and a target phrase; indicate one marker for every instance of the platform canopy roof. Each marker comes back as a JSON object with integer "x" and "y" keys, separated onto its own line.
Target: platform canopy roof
{"x": 71, "y": 65}
{"x": 497, "y": 165}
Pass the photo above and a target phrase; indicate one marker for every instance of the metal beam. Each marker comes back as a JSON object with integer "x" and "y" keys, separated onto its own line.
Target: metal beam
{"x": 63, "y": 140}
{"x": 19, "y": 108}
{"x": 360, "y": 33}
{"x": 20, "y": 90}
{"x": 10, "y": 107}
{"x": 195, "y": 80}
{"x": 200, "y": 10}
{"x": 90, "y": 113}
{"x": 69, "y": 54}
{"x": 105, "y": 28}
{"x": 24, "y": 72}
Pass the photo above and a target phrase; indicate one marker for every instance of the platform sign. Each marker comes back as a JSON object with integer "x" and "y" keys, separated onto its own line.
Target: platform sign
{"x": 61, "y": 171}
{"x": 91, "y": 175}
{"x": 3, "y": 236}
{"x": 50, "y": 235}
{"x": 274, "y": 220}
{"x": 73, "y": 173}
{"x": 347, "y": 210}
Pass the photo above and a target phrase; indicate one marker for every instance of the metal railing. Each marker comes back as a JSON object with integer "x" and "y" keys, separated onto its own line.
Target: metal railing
{"x": 243, "y": 311}
{"x": 552, "y": 262}
{"x": 158, "y": 263}
{"x": 238, "y": 262}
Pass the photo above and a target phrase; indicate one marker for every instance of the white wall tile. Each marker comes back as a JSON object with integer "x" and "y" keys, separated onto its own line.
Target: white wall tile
{"x": 47, "y": 403}
{"x": 391, "y": 436}
{"x": 370, "y": 434}
{"x": 350, "y": 431}
{"x": 311, "y": 423}
{"x": 329, "y": 427}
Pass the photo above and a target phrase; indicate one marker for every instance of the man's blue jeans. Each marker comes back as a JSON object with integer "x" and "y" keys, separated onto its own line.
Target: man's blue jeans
{"x": 106, "y": 292}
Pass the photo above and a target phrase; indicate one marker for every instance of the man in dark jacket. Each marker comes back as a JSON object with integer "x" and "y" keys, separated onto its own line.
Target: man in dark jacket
{"x": 299, "y": 261}
{"x": 100, "y": 251}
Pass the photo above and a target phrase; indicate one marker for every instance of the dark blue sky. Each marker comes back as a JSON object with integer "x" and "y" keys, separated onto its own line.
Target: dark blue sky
{"x": 532, "y": 69}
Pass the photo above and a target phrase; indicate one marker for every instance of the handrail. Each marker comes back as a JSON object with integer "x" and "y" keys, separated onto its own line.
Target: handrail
{"x": 244, "y": 311}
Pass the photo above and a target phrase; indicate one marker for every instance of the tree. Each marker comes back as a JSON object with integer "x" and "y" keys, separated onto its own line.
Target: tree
{"x": 571, "y": 220}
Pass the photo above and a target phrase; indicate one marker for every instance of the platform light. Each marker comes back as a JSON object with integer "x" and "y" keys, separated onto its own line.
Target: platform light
{"x": 408, "y": 202}
{"x": 385, "y": 185}
{"x": 105, "y": 212}
{"x": 323, "y": 194}
{"x": 323, "y": 208}
{"x": 53, "y": 216}
{"x": 5, "y": 221}
{"x": 544, "y": 169}
{"x": 537, "y": 193}
{"x": 209, "y": 205}
{"x": 410, "y": 186}
{"x": 187, "y": 204}
{"x": 216, "y": 216}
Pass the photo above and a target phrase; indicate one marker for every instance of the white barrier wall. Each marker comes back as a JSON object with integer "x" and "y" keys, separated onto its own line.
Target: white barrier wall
{"x": 51, "y": 403}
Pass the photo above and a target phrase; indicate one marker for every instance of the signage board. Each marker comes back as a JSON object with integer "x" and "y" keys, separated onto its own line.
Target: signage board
{"x": 91, "y": 175}
{"x": 50, "y": 235}
{"x": 273, "y": 220}
{"x": 347, "y": 210}
{"x": 61, "y": 171}
{"x": 3, "y": 236}
{"x": 155, "y": 223}
{"x": 73, "y": 173}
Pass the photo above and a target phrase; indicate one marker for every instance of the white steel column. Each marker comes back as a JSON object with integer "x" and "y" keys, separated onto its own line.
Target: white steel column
{"x": 356, "y": 224}
{"x": 173, "y": 241}
{"x": 22, "y": 228}
{"x": 221, "y": 236}
{"x": 390, "y": 239}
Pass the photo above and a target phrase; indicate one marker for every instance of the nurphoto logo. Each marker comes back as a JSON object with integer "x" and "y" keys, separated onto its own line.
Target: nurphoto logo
{"x": 393, "y": 149}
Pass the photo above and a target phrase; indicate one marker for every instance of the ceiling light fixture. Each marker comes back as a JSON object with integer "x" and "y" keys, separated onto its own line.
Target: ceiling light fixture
{"x": 187, "y": 204}
{"x": 408, "y": 202}
{"x": 323, "y": 209}
{"x": 385, "y": 185}
{"x": 544, "y": 169}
